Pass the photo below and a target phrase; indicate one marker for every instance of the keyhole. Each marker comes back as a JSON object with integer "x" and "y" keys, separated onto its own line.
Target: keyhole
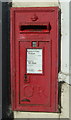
{"x": 25, "y": 78}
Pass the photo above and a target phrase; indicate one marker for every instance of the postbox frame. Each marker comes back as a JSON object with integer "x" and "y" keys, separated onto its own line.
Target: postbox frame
{"x": 14, "y": 99}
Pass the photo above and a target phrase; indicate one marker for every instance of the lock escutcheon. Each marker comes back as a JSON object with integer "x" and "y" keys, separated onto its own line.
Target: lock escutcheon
{"x": 26, "y": 78}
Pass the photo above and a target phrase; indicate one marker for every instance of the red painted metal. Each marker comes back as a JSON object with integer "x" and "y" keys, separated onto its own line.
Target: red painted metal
{"x": 34, "y": 91}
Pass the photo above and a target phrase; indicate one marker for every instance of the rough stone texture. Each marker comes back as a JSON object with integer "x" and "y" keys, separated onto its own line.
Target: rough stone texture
{"x": 70, "y": 102}
{"x": 35, "y": 115}
{"x": 65, "y": 101}
{"x": 27, "y": 3}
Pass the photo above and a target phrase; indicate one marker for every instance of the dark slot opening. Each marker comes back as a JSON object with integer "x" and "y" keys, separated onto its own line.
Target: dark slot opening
{"x": 35, "y": 28}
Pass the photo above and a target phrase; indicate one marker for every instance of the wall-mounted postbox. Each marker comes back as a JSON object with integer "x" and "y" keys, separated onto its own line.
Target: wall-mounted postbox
{"x": 34, "y": 59}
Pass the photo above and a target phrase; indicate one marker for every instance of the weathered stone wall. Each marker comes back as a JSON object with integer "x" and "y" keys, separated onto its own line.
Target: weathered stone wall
{"x": 64, "y": 73}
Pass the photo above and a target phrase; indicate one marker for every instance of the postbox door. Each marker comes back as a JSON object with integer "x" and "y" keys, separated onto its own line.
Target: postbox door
{"x": 35, "y": 73}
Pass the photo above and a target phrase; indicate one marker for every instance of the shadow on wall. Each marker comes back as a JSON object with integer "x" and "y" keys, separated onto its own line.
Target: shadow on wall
{"x": 6, "y": 101}
{"x": 59, "y": 61}
{"x": 59, "y": 41}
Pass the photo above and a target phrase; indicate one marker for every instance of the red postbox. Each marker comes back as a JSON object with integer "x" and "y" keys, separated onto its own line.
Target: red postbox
{"x": 34, "y": 59}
